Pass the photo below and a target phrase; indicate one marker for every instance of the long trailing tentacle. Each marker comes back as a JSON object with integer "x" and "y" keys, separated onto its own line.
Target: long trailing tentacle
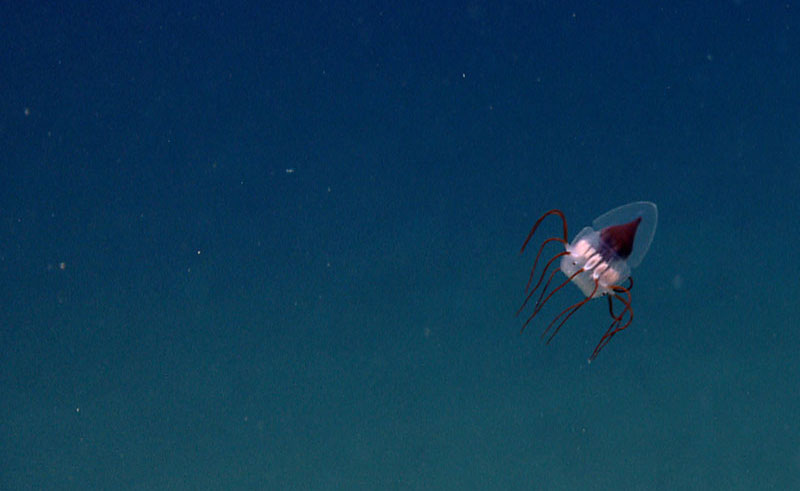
{"x": 617, "y": 323}
{"x": 541, "y": 218}
{"x": 563, "y": 240}
{"x": 611, "y": 304}
{"x": 544, "y": 272}
{"x": 536, "y": 261}
{"x": 540, "y": 303}
{"x": 612, "y": 330}
{"x": 571, "y": 309}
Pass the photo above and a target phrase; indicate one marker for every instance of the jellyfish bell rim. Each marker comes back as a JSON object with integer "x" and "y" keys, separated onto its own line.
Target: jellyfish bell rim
{"x": 648, "y": 211}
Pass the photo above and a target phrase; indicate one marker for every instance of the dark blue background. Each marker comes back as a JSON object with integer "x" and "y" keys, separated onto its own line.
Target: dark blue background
{"x": 276, "y": 245}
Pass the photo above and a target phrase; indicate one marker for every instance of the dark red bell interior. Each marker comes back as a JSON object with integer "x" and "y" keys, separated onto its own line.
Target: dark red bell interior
{"x": 620, "y": 237}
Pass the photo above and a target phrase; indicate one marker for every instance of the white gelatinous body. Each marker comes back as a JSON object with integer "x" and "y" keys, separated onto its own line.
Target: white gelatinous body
{"x": 599, "y": 262}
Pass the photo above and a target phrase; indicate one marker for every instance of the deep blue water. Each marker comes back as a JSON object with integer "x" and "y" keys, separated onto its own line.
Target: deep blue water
{"x": 276, "y": 246}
